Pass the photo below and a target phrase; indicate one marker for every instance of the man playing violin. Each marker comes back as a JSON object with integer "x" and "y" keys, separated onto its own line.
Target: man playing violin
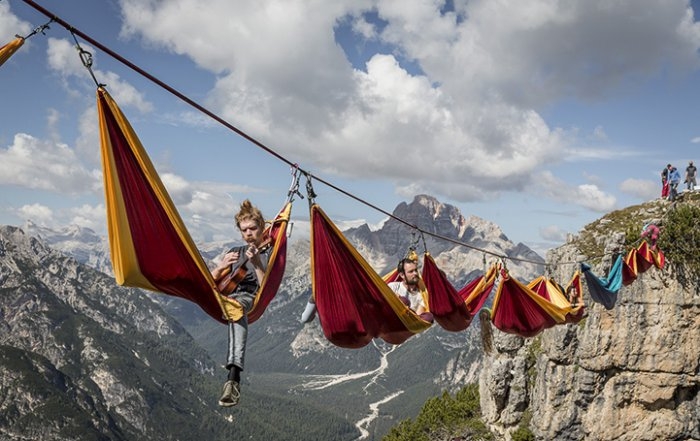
{"x": 249, "y": 262}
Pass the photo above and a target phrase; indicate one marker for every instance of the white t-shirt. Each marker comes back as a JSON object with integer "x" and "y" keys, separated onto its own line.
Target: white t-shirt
{"x": 414, "y": 297}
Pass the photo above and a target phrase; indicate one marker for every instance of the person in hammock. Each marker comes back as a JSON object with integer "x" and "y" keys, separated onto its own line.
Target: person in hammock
{"x": 408, "y": 289}
{"x": 250, "y": 262}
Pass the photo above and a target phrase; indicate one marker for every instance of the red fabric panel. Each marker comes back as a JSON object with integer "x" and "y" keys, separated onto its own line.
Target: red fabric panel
{"x": 351, "y": 308}
{"x": 639, "y": 260}
{"x": 541, "y": 289}
{"x": 517, "y": 313}
{"x": 575, "y": 317}
{"x": 645, "y": 257}
{"x": 162, "y": 257}
{"x": 446, "y": 305}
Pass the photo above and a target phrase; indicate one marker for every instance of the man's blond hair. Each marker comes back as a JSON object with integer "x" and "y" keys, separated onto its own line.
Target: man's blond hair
{"x": 248, "y": 211}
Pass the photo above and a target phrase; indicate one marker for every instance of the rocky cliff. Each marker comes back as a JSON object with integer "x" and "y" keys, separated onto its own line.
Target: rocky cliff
{"x": 629, "y": 373}
{"x": 84, "y": 359}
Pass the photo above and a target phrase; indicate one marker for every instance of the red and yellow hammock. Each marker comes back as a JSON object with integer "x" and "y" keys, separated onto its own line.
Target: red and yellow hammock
{"x": 9, "y": 49}
{"x": 549, "y": 290}
{"x": 640, "y": 259}
{"x": 149, "y": 244}
{"x": 354, "y": 303}
{"x": 518, "y": 309}
{"x": 454, "y": 310}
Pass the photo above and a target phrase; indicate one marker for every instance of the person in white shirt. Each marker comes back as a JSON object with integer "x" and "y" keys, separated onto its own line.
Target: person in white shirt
{"x": 408, "y": 290}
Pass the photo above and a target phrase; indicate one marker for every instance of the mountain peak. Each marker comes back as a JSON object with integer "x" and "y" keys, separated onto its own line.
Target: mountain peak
{"x": 439, "y": 220}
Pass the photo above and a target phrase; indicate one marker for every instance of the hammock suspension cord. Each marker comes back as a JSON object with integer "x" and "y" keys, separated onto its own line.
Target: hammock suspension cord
{"x": 86, "y": 59}
{"x": 37, "y": 29}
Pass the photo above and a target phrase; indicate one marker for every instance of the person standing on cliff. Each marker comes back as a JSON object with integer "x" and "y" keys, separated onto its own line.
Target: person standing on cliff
{"x": 664, "y": 181}
{"x": 690, "y": 176}
{"x": 674, "y": 178}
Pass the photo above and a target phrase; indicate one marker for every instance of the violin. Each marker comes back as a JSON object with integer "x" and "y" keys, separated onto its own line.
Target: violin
{"x": 227, "y": 282}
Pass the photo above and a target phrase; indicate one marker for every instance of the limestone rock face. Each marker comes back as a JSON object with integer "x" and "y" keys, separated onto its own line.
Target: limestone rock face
{"x": 629, "y": 373}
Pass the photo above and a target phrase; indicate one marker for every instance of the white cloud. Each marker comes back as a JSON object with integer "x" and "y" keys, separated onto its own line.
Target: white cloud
{"x": 64, "y": 59}
{"x": 88, "y": 142}
{"x": 344, "y": 225}
{"x": 207, "y": 208}
{"x": 468, "y": 126}
{"x": 10, "y": 24}
{"x": 599, "y": 134}
{"x": 44, "y": 165}
{"x": 553, "y": 233}
{"x": 88, "y": 216}
{"x": 585, "y": 195}
{"x": 38, "y": 213}
{"x": 641, "y": 188}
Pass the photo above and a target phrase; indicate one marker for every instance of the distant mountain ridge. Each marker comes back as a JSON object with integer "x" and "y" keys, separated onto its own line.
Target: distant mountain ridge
{"x": 286, "y": 357}
{"x": 84, "y": 359}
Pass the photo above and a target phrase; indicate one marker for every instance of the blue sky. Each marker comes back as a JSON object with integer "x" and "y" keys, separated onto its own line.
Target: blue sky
{"x": 537, "y": 115}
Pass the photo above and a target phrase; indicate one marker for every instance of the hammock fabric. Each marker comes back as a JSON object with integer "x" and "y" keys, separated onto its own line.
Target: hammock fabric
{"x": 519, "y": 310}
{"x": 149, "y": 244}
{"x": 576, "y": 286}
{"x": 640, "y": 259}
{"x": 623, "y": 272}
{"x": 354, "y": 303}
{"x": 551, "y": 291}
{"x": 9, "y": 49}
{"x": 477, "y": 291}
{"x": 604, "y": 290}
{"x": 454, "y": 310}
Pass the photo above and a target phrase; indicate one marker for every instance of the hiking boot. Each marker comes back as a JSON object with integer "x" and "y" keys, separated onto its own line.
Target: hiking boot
{"x": 231, "y": 394}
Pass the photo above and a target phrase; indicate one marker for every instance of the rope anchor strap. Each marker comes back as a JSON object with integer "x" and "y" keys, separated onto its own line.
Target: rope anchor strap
{"x": 294, "y": 187}
{"x": 310, "y": 190}
{"x": 86, "y": 59}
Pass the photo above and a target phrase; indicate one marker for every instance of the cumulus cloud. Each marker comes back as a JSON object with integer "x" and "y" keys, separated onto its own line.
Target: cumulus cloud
{"x": 10, "y": 24}
{"x": 467, "y": 122}
{"x": 585, "y": 195}
{"x": 207, "y": 207}
{"x": 641, "y": 188}
{"x": 63, "y": 59}
{"x": 41, "y": 214}
{"x": 88, "y": 216}
{"x": 45, "y": 165}
{"x": 553, "y": 233}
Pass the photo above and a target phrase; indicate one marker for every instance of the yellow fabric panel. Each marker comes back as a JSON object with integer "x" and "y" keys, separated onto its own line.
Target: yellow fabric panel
{"x": 555, "y": 296}
{"x": 556, "y": 312}
{"x": 121, "y": 246}
{"x": 283, "y": 216}
{"x": 124, "y": 262}
{"x": 233, "y": 311}
{"x": 576, "y": 279}
{"x": 488, "y": 279}
{"x": 496, "y": 299}
{"x": 9, "y": 49}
